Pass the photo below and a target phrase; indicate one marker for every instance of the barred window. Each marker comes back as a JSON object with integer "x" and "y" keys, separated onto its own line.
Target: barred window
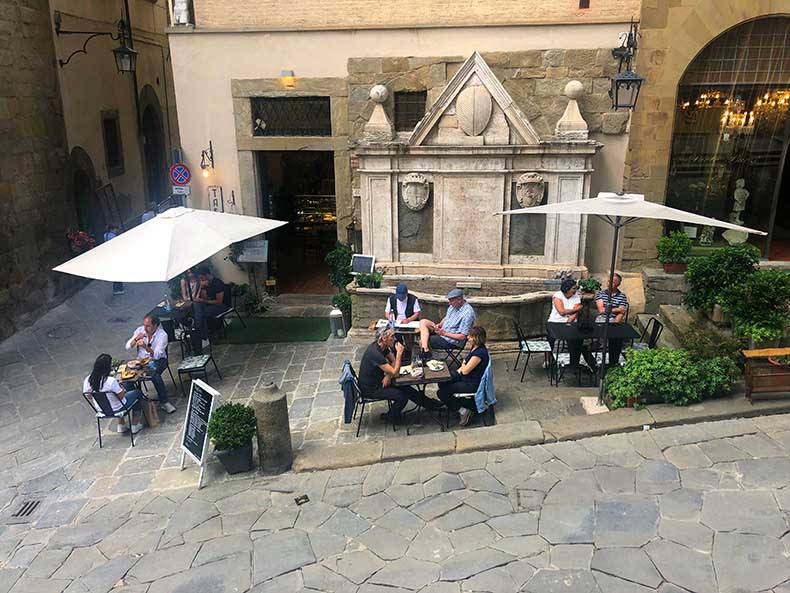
{"x": 409, "y": 109}
{"x": 291, "y": 116}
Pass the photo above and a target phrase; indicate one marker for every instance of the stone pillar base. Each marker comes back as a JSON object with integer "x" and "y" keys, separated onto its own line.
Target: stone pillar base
{"x": 274, "y": 431}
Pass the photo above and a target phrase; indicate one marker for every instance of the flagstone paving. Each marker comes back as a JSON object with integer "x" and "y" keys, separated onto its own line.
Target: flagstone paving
{"x": 541, "y": 519}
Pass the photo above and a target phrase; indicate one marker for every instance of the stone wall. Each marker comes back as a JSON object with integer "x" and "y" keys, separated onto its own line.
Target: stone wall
{"x": 534, "y": 78}
{"x": 357, "y": 14}
{"x": 34, "y": 215}
{"x": 662, "y": 289}
{"x": 672, "y": 34}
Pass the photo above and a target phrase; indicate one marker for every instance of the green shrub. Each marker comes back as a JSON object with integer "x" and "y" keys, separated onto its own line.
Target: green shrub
{"x": 372, "y": 280}
{"x": 709, "y": 276}
{"x": 231, "y": 426}
{"x": 674, "y": 248}
{"x": 704, "y": 344}
{"x": 343, "y": 302}
{"x": 759, "y": 307}
{"x": 673, "y": 375}
{"x": 589, "y": 284}
{"x": 339, "y": 262}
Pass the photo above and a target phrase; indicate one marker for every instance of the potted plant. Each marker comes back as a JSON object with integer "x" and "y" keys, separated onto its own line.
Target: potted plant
{"x": 673, "y": 252}
{"x": 231, "y": 429}
{"x": 80, "y": 241}
{"x": 589, "y": 284}
{"x": 759, "y": 307}
{"x": 372, "y": 280}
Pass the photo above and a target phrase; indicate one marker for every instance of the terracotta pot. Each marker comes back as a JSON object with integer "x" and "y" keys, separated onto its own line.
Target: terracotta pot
{"x": 675, "y": 268}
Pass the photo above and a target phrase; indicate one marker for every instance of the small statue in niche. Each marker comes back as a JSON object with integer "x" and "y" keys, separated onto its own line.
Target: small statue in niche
{"x": 181, "y": 12}
{"x": 415, "y": 191}
{"x": 706, "y": 235}
{"x": 530, "y": 188}
{"x": 740, "y": 196}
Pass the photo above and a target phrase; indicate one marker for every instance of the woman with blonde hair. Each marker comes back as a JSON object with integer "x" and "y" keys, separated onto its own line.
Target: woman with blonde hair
{"x": 468, "y": 377}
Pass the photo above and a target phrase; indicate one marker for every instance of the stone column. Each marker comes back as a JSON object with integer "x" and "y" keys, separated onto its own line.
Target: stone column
{"x": 274, "y": 432}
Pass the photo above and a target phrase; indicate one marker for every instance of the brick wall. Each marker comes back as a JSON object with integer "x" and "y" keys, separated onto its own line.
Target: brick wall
{"x": 324, "y": 14}
{"x": 33, "y": 212}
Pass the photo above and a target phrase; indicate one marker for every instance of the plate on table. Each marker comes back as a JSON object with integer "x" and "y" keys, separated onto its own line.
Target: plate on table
{"x": 406, "y": 370}
{"x": 435, "y": 365}
{"x": 127, "y": 375}
{"x": 133, "y": 364}
{"x": 416, "y": 372}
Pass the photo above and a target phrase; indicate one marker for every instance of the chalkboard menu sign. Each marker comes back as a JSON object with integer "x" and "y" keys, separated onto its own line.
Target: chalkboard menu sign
{"x": 201, "y": 404}
{"x": 362, "y": 263}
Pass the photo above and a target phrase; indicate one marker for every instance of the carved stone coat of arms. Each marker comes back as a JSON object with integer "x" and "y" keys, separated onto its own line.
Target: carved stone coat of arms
{"x": 530, "y": 188}
{"x": 415, "y": 191}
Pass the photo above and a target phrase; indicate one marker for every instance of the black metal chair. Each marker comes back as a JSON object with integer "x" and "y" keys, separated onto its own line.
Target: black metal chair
{"x": 229, "y": 300}
{"x": 530, "y": 347}
{"x": 361, "y": 400}
{"x": 454, "y": 353}
{"x": 105, "y": 410}
{"x": 196, "y": 366}
{"x": 652, "y": 332}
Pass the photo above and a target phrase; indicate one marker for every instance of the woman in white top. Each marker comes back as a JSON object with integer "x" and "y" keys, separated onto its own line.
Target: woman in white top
{"x": 190, "y": 286}
{"x": 566, "y": 305}
{"x": 101, "y": 380}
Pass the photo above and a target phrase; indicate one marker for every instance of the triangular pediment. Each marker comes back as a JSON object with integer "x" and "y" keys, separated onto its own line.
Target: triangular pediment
{"x": 477, "y": 100}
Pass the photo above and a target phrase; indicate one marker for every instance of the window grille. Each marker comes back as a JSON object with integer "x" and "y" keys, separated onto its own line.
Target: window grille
{"x": 409, "y": 109}
{"x": 291, "y": 116}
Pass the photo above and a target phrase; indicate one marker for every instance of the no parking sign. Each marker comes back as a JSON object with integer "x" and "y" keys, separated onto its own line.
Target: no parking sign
{"x": 180, "y": 174}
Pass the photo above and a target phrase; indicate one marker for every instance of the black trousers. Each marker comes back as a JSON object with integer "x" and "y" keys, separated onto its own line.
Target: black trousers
{"x": 614, "y": 350}
{"x": 400, "y": 396}
{"x": 459, "y": 384}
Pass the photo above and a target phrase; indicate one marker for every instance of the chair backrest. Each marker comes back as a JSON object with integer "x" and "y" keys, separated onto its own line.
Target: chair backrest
{"x": 355, "y": 383}
{"x": 653, "y": 329}
{"x": 522, "y": 340}
{"x": 227, "y": 295}
{"x": 170, "y": 329}
{"x": 102, "y": 400}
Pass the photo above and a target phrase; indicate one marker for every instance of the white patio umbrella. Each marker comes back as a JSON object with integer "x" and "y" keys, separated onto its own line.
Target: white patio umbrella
{"x": 619, "y": 210}
{"x": 165, "y": 246}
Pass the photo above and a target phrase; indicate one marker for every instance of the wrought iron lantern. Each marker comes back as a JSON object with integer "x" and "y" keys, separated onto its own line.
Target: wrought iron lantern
{"x": 625, "y": 86}
{"x": 125, "y": 58}
{"x": 125, "y": 55}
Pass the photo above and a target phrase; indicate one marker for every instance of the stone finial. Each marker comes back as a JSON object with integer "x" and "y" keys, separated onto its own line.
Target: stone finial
{"x": 571, "y": 125}
{"x": 379, "y": 128}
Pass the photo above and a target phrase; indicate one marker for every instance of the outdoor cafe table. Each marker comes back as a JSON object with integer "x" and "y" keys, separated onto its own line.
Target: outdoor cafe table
{"x": 428, "y": 377}
{"x": 141, "y": 374}
{"x": 562, "y": 332}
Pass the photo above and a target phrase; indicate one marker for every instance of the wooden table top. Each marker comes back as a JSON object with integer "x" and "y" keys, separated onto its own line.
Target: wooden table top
{"x": 428, "y": 376}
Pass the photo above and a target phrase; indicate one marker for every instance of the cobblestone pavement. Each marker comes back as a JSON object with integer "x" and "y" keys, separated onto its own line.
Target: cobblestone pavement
{"x": 700, "y": 508}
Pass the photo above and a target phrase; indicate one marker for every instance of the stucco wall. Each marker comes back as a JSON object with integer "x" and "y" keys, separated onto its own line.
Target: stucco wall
{"x": 206, "y": 64}
{"x": 319, "y": 14}
{"x": 673, "y": 33}
{"x": 90, "y": 84}
{"x": 34, "y": 214}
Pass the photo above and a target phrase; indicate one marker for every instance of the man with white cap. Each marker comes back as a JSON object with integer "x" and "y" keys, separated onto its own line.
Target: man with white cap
{"x": 452, "y": 330}
{"x": 402, "y": 307}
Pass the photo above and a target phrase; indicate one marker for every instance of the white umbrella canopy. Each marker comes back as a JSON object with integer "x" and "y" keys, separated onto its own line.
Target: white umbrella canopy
{"x": 619, "y": 210}
{"x": 165, "y": 246}
{"x": 628, "y": 206}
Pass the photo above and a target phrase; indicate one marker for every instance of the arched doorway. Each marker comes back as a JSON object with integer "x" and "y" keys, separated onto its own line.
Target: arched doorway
{"x": 729, "y": 131}
{"x": 153, "y": 145}
{"x": 81, "y": 187}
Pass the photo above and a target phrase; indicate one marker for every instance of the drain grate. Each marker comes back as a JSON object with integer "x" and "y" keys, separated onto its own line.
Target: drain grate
{"x": 26, "y": 511}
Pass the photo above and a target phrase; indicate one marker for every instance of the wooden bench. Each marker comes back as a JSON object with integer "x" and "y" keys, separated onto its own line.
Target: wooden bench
{"x": 765, "y": 380}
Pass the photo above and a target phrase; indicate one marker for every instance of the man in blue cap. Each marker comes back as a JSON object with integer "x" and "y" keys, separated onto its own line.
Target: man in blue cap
{"x": 402, "y": 307}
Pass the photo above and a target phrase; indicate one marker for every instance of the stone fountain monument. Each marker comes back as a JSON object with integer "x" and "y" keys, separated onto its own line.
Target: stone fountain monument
{"x": 429, "y": 200}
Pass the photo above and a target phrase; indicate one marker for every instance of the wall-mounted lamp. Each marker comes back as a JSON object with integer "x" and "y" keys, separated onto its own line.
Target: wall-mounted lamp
{"x": 125, "y": 55}
{"x": 625, "y": 85}
{"x": 287, "y": 78}
{"x": 207, "y": 159}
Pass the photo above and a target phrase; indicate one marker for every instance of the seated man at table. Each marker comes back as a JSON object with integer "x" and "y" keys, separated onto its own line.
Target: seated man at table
{"x": 209, "y": 303}
{"x": 614, "y": 299}
{"x": 402, "y": 307}
{"x": 150, "y": 341}
{"x": 452, "y": 330}
{"x": 379, "y": 367}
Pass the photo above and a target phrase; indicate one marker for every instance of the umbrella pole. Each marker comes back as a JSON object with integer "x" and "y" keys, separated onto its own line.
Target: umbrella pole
{"x": 608, "y": 307}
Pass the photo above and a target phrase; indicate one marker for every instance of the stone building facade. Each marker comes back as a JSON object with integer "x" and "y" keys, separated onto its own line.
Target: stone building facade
{"x": 228, "y": 60}
{"x": 34, "y": 212}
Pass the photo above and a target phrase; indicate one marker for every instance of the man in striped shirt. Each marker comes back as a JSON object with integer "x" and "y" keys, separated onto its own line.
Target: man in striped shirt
{"x": 617, "y": 303}
{"x": 454, "y": 327}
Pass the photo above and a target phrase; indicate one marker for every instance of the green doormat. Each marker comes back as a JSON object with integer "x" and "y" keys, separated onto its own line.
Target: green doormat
{"x": 277, "y": 329}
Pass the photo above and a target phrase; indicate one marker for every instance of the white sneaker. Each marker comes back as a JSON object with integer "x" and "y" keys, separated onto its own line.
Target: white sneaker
{"x": 463, "y": 416}
{"x": 168, "y": 407}
{"x": 122, "y": 427}
{"x": 137, "y": 428}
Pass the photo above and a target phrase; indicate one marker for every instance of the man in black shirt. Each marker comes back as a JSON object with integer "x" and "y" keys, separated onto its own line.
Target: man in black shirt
{"x": 209, "y": 302}
{"x": 379, "y": 366}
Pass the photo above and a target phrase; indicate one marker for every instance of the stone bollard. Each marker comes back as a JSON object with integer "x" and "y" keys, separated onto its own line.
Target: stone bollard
{"x": 274, "y": 431}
